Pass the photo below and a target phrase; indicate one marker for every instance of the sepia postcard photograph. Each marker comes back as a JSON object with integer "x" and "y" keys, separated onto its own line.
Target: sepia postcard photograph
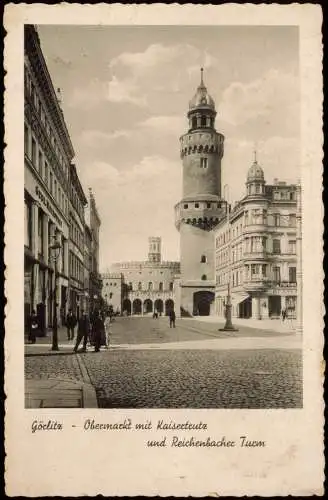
{"x": 164, "y": 169}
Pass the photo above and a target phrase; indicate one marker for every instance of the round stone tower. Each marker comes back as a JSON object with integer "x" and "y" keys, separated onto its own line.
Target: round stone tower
{"x": 201, "y": 207}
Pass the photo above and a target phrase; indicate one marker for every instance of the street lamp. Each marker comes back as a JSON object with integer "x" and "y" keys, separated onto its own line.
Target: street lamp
{"x": 228, "y": 327}
{"x": 55, "y": 248}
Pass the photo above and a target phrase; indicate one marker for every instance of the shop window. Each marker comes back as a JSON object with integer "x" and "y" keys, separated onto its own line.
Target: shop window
{"x": 40, "y": 233}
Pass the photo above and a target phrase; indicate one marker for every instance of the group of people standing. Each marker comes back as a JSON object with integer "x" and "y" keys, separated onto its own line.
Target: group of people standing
{"x": 94, "y": 329}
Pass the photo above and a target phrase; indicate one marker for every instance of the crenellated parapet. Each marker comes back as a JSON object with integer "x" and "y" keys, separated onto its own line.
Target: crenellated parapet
{"x": 139, "y": 265}
{"x": 202, "y": 142}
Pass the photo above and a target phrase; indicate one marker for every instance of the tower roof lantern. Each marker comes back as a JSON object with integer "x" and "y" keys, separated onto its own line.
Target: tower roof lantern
{"x": 202, "y": 98}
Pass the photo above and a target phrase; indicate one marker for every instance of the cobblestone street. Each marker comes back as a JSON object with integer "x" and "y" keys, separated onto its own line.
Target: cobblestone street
{"x": 181, "y": 377}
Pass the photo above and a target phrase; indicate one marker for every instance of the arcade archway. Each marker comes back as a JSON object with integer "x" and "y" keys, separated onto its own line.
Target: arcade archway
{"x": 202, "y": 303}
{"x": 169, "y": 306}
{"x": 159, "y": 306}
{"x": 126, "y": 306}
{"x": 137, "y": 306}
{"x": 148, "y": 306}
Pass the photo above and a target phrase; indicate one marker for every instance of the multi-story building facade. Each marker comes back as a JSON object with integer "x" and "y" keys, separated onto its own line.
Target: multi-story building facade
{"x": 93, "y": 222}
{"x": 255, "y": 250}
{"x": 48, "y": 152}
{"x": 201, "y": 207}
{"x": 113, "y": 291}
{"x": 76, "y": 242}
{"x": 147, "y": 286}
{"x": 87, "y": 268}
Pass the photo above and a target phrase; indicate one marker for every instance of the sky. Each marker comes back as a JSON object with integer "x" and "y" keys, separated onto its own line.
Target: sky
{"x": 125, "y": 93}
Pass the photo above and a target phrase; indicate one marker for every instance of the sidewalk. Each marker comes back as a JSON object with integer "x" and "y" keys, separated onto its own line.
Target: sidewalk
{"x": 59, "y": 393}
{"x": 273, "y": 325}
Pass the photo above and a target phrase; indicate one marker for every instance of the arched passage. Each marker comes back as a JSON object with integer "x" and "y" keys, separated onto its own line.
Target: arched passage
{"x": 169, "y": 305}
{"x": 148, "y": 306}
{"x": 126, "y": 306}
{"x": 159, "y": 306}
{"x": 137, "y": 306}
{"x": 202, "y": 303}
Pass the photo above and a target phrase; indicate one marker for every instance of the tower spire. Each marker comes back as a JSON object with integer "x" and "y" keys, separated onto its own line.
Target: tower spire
{"x": 255, "y": 155}
{"x": 201, "y": 77}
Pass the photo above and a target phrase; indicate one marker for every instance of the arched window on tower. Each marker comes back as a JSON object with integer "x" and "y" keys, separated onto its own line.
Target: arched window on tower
{"x": 194, "y": 122}
{"x": 203, "y": 121}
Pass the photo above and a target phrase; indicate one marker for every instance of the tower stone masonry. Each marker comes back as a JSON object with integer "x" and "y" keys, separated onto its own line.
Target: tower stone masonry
{"x": 201, "y": 207}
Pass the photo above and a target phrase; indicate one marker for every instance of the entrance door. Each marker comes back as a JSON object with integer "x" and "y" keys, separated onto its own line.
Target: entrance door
{"x": 202, "y": 303}
{"x": 245, "y": 308}
{"x": 274, "y": 306}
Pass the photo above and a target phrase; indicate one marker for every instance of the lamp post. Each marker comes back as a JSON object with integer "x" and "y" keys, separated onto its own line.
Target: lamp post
{"x": 228, "y": 327}
{"x": 55, "y": 248}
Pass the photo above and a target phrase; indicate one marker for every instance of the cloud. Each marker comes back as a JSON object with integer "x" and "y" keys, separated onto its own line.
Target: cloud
{"x": 173, "y": 125}
{"x": 275, "y": 93}
{"x": 89, "y": 95}
{"x": 135, "y": 203}
{"x": 159, "y": 68}
{"x": 124, "y": 91}
{"x": 94, "y": 138}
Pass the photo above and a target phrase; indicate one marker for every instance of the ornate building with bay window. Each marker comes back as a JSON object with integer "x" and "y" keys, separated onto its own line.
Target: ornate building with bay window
{"x": 255, "y": 250}
{"x": 48, "y": 152}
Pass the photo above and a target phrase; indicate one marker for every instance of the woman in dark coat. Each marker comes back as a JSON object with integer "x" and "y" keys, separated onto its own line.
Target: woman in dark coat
{"x": 33, "y": 325}
{"x": 98, "y": 331}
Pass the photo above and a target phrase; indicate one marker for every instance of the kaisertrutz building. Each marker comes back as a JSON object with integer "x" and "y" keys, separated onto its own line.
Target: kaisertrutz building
{"x": 255, "y": 250}
{"x": 147, "y": 286}
{"x": 48, "y": 152}
{"x": 201, "y": 207}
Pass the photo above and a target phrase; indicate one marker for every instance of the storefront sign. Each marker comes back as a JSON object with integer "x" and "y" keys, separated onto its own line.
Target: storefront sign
{"x": 47, "y": 204}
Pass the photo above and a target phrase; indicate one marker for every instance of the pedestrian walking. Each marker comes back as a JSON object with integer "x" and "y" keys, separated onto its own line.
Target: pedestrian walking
{"x": 83, "y": 329}
{"x": 108, "y": 324}
{"x": 172, "y": 318}
{"x": 33, "y": 325}
{"x": 97, "y": 331}
{"x": 283, "y": 314}
{"x": 70, "y": 324}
